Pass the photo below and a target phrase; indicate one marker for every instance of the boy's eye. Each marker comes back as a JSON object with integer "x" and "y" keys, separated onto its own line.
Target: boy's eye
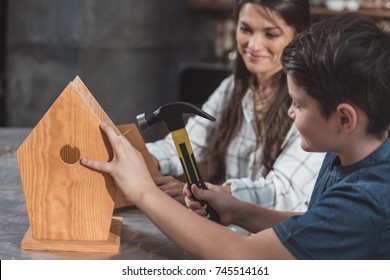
{"x": 296, "y": 105}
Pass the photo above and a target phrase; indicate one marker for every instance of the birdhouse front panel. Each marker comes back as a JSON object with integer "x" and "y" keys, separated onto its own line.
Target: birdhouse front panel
{"x": 64, "y": 199}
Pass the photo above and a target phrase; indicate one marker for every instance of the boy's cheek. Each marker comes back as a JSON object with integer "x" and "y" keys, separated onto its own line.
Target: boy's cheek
{"x": 302, "y": 127}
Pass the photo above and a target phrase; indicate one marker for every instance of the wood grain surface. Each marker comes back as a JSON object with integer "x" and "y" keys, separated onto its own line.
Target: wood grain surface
{"x": 112, "y": 244}
{"x": 67, "y": 201}
{"x": 133, "y": 135}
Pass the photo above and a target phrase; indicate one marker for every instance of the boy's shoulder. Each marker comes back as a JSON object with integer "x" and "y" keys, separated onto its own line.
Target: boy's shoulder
{"x": 379, "y": 158}
{"x": 370, "y": 173}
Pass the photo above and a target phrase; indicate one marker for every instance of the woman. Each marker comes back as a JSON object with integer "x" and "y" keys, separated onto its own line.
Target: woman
{"x": 253, "y": 148}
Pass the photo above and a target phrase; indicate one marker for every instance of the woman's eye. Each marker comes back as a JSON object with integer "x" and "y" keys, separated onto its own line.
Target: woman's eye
{"x": 271, "y": 35}
{"x": 244, "y": 29}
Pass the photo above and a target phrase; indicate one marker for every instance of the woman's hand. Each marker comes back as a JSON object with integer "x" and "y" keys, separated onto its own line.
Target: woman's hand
{"x": 127, "y": 168}
{"x": 171, "y": 186}
{"x": 220, "y": 200}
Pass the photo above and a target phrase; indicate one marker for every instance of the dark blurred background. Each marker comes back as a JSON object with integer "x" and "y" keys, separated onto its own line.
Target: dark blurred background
{"x": 131, "y": 54}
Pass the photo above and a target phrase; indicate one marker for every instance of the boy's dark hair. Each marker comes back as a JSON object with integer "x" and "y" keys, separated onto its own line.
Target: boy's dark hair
{"x": 344, "y": 59}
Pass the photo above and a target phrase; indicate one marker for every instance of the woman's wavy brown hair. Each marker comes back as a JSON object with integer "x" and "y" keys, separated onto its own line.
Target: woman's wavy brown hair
{"x": 276, "y": 123}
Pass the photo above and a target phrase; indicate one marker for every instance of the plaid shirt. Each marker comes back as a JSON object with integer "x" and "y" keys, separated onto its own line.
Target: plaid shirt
{"x": 287, "y": 187}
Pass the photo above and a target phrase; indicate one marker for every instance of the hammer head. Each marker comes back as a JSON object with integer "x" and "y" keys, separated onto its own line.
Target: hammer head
{"x": 172, "y": 115}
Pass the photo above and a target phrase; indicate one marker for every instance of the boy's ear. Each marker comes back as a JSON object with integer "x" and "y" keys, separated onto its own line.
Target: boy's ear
{"x": 346, "y": 116}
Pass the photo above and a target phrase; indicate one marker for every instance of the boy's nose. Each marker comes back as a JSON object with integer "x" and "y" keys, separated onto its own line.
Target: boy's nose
{"x": 291, "y": 112}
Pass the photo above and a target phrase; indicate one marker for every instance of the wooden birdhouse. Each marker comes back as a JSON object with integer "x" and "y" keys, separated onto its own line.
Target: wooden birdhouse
{"x": 69, "y": 206}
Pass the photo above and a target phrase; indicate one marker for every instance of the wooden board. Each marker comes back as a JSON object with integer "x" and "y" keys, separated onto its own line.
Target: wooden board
{"x": 92, "y": 103}
{"x": 134, "y": 137}
{"x": 111, "y": 245}
{"x": 69, "y": 205}
{"x": 64, "y": 199}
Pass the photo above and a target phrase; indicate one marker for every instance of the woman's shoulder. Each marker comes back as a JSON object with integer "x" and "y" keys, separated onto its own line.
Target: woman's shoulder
{"x": 221, "y": 93}
{"x": 226, "y": 86}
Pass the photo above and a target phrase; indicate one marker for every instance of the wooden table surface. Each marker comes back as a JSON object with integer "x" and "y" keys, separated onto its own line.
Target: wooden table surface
{"x": 140, "y": 239}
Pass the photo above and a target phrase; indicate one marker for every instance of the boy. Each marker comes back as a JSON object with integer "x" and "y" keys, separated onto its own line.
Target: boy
{"x": 339, "y": 79}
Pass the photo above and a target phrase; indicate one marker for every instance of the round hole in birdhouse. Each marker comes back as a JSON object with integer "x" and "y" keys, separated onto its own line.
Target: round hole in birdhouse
{"x": 69, "y": 154}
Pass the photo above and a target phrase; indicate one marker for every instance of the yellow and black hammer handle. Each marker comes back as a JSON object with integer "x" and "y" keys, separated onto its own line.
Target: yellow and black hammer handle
{"x": 191, "y": 171}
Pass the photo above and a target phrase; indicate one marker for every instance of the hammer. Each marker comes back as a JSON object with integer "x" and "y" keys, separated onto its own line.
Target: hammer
{"x": 172, "y": 116}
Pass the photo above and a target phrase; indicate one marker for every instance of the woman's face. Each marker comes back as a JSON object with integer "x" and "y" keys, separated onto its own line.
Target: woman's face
{"x": 261, "y": 36}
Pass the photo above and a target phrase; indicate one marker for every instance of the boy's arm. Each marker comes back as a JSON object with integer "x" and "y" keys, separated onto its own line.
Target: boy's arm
{"x": 196, "y": 235}
{"x": 255, "y": 218}
{"x": 204, "y": 239}
{"x": 232, "y": 210}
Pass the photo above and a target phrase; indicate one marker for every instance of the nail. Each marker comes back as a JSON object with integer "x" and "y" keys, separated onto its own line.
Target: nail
{"x": 130, "y": 129}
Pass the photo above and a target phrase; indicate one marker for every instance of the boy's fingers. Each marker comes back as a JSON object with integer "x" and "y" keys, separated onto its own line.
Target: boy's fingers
{"x": 198, "y": 192}
{"x": 96, "y": 165}
{"x": 109, "y": 131}
{"x": 114, "y": 140}
{"x": 201, "y": 211}
{"x": 186, "y": 191}
{"x": 195, "y": 205}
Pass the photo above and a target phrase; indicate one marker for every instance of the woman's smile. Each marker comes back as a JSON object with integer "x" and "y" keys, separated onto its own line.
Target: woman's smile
{"x": 255, "y": 57}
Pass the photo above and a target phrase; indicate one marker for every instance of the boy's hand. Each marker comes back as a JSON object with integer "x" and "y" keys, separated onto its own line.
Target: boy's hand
{"x": 127, "y": 167}
{"x": 221, "y": 201}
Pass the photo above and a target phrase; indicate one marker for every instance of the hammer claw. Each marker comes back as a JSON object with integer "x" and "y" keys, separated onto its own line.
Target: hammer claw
{"x": 172, "y": 115}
